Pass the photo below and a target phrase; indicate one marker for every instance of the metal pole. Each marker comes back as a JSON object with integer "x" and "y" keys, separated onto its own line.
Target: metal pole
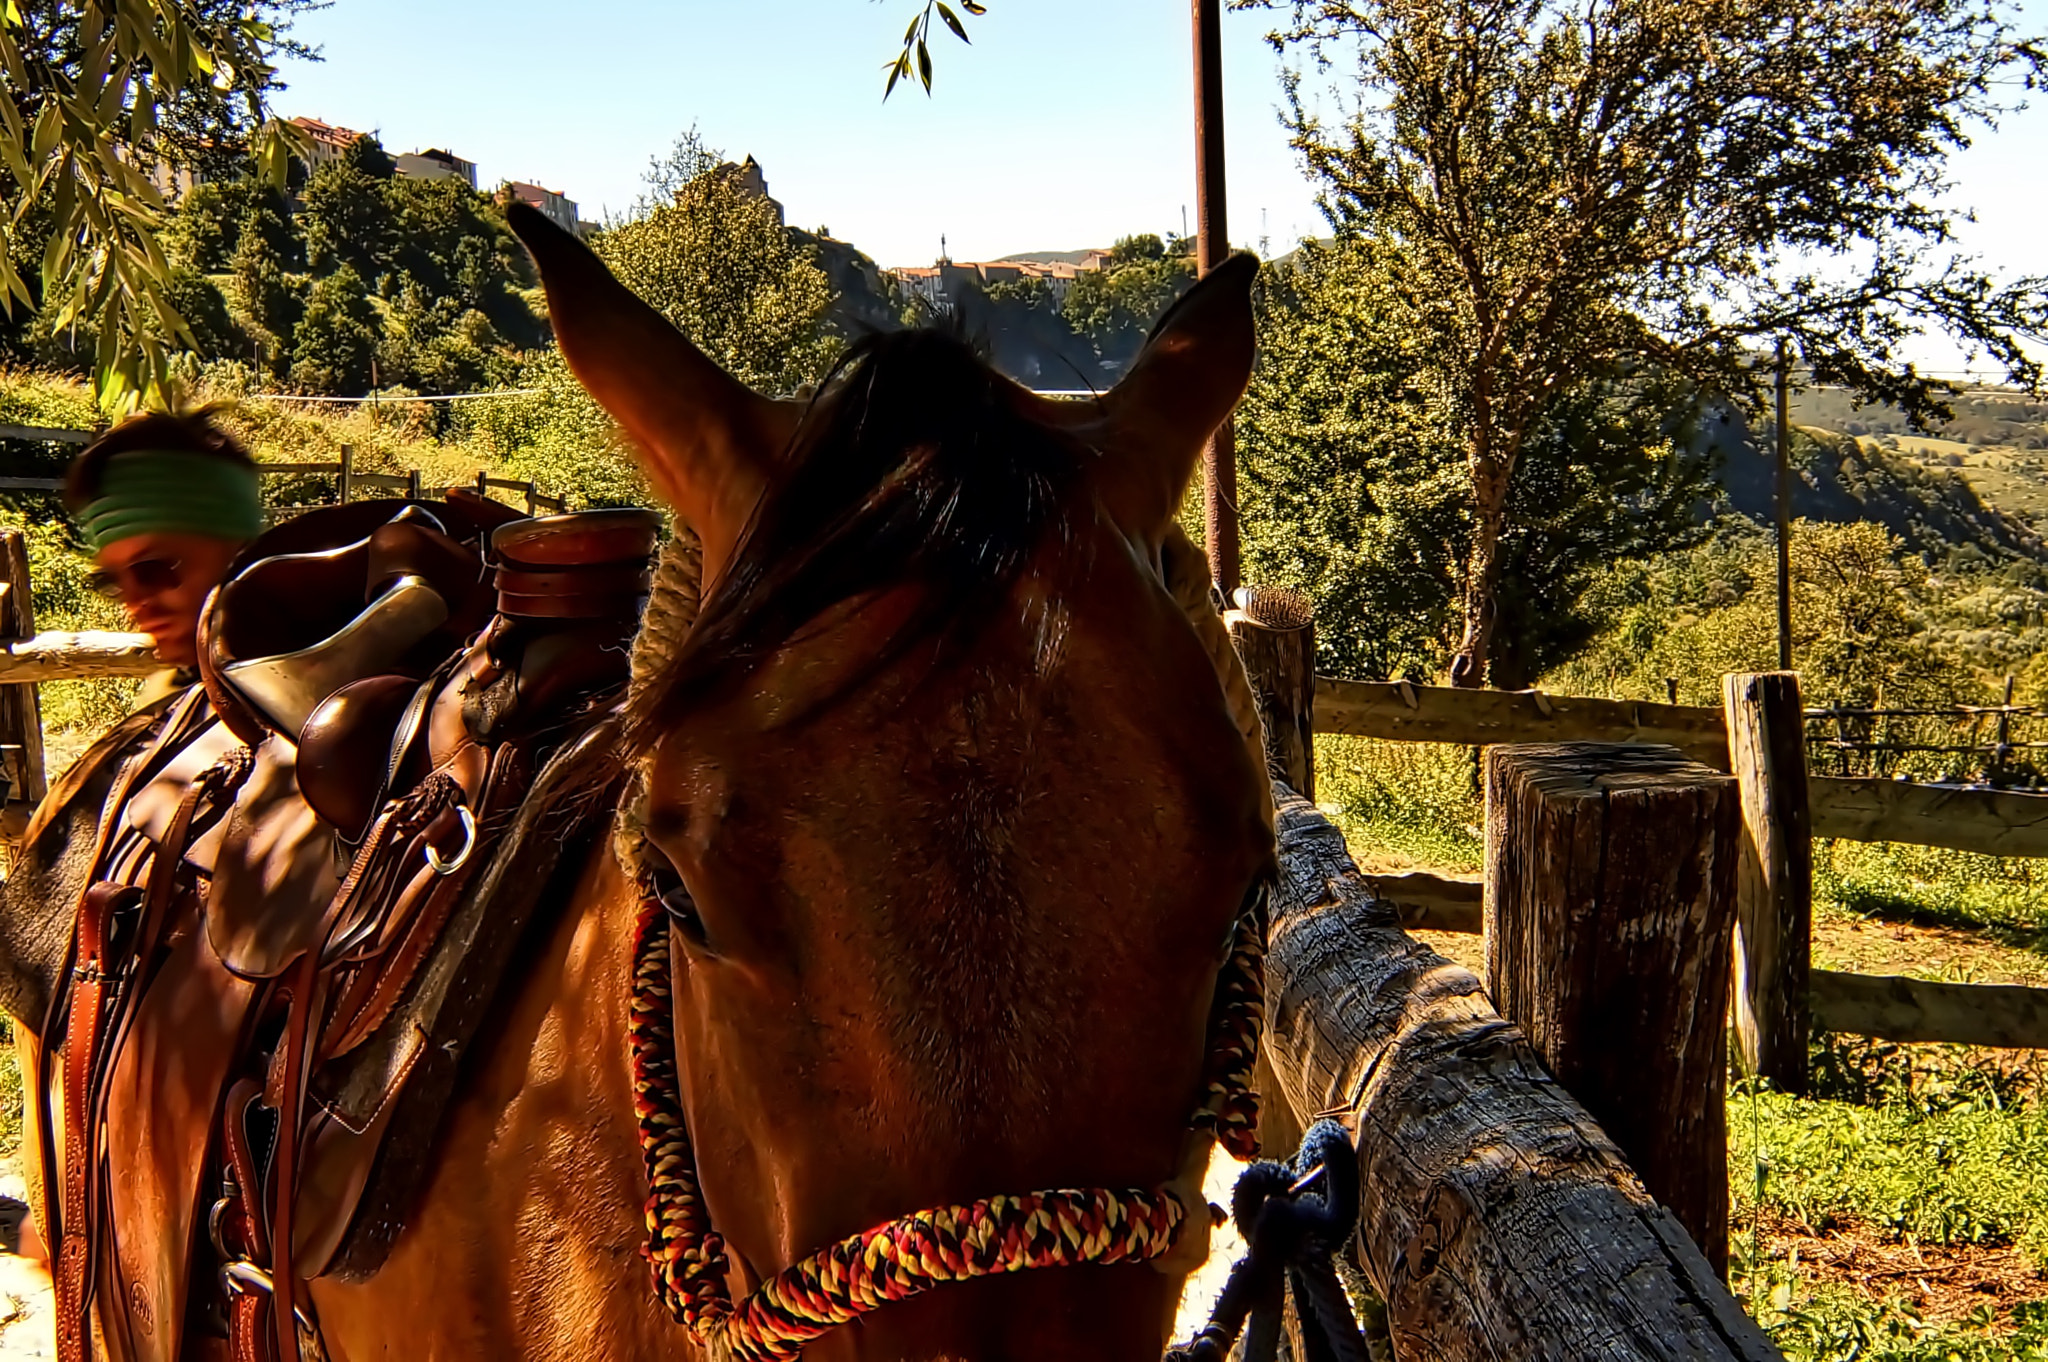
{"x": 1784, "y": 443}
{"x": 1212, "y": 245}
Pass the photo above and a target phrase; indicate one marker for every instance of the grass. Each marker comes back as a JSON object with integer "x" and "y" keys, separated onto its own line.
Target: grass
{"x": 1901, "y": 1215}
{"x": 1902, "y": 1212}
{"x": 1403, "y": 805}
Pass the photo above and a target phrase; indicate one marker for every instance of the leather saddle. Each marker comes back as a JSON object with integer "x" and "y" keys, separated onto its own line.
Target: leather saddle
{"x": 309, "y": 883}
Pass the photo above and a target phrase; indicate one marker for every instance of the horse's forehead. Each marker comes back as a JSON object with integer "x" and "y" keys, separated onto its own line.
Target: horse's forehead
{"x": 1054, "y": 647}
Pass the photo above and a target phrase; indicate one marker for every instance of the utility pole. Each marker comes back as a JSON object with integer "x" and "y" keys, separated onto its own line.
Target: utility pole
{"x": 1212, "y": 227}
{"x": 1784, "y": 443}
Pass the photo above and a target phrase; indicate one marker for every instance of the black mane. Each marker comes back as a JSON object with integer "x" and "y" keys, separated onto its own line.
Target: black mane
{"x": 911, "y": 466}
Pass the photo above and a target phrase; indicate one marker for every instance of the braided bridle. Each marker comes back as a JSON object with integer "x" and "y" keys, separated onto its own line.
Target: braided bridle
{"x": 916, "y": 1252}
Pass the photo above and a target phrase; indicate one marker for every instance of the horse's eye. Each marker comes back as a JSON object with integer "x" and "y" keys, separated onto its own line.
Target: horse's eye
{"x": 675, "y": 897}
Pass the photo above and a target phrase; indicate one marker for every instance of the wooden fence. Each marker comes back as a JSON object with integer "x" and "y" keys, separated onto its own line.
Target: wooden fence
{"x": 347, "y": 480}
{"x": 1992, "y": 822}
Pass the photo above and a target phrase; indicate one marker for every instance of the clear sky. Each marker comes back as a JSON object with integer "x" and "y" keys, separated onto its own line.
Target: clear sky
{"x": 1068, "y": 123}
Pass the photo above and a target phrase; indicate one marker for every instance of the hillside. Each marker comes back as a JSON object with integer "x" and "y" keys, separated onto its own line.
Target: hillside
{"x": 1934, "y": 506}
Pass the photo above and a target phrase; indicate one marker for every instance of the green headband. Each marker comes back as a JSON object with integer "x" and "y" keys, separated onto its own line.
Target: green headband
{"x": 172, "y": 491}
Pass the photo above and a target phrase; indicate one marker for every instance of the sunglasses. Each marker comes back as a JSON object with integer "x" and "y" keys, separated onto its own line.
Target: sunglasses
{"x": 143, "y": 577}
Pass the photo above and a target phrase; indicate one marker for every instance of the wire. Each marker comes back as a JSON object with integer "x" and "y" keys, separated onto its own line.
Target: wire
{"x": 380, "y": 397}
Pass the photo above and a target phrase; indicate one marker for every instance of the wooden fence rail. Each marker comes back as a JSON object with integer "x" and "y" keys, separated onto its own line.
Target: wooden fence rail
{"x": 1400, "y": 712}
{"x": 342, "y": 470}
{"x": 1990, "y": 822}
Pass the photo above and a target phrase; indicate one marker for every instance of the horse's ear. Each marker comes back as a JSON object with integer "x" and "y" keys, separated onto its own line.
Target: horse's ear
{"x": 1151, "y": 427}
{"x": 708, "y": 441}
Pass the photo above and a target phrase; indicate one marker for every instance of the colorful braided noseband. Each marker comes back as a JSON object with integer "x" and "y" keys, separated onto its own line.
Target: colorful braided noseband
{"x": 910, "y": 1255}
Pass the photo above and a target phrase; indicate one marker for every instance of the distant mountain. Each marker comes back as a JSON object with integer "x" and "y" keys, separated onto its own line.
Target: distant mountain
{"x": 1051, "y": 257}
{"x": 1933, "y": 506}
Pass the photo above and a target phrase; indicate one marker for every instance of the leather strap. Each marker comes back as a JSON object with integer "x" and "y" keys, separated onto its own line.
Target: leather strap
{"x": 79, "y": 1000}
{"x": 238, "y": 1230}
{"x": 91, "y": 989}
{"x": 295, "y": 1058}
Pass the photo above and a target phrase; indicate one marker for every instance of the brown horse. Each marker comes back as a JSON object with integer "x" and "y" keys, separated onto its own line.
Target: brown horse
{"x": 955, "y": 805}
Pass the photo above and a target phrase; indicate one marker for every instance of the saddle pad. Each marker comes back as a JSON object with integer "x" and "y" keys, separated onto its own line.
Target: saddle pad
{"x": 275, "y": 872}
{"x": 151, "y": 809}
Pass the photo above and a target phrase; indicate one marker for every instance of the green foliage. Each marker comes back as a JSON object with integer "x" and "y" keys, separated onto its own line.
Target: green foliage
{"x": 345, "y": 217}
{"x": 268, "y": 300}
{"x": 1114, "y": 307}
{"x": 718, "y": 263}
{"x": 94, "y": 97}
{"x": 336, "y": 341}
{"x": 560, "y": 439}
{"x": 916, "y": 42}
{"x": 1972, "y": 1174}
{"x": 1353, "y": 482}
{"x": 1403, "y": 803}
{"x": 1834, "y": 1324}
{"x": 1575, "y": 194}
{"x": 1858, "y": 615}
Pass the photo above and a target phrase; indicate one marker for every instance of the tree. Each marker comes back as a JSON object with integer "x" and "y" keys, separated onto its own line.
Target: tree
{"x": 94, "y": 95}
{"x": 718, "y": 262}
{"x": 1581, "y": 193}
{"x": 266, "y": 297}
{"x": 1115, "y": 306}
{"x": 345, "y": 213}
{"x": 336, "y": 340}
{"x": 1353, "y": 481}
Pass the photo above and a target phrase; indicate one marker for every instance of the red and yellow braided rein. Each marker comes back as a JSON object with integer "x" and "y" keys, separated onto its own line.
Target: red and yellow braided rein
{"x": 916, "y": 1252}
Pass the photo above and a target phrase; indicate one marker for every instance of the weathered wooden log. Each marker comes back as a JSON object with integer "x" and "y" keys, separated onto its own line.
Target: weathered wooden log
{"x": 59, "y": 656}
{"x": 1496, "y": 1218}
{"x": 1993, "y": 822}
{"x": 1774, "y": 894}
{"x": 1437, "y": 903}
{"x": 1893, "y": 1007}
{"x": 1610, "y": 905}
{"x": 1403, "y": 712}
{"x": 1276, "y": 640}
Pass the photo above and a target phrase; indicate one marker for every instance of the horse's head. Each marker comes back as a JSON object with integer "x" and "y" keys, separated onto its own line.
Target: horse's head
{"x": 957, "y": 803}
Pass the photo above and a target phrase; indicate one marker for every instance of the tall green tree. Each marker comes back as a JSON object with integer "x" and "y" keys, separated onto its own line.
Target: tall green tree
{"x": 266, "y": 292}
{"x": 335, "y": 342}
{"x": 1589, "y": 190}
{"x": 718, "y": 262}
{"x": 1354, "y": 490}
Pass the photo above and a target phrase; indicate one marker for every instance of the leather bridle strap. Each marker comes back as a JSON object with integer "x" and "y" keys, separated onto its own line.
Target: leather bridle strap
{"x": 91, "y": 980}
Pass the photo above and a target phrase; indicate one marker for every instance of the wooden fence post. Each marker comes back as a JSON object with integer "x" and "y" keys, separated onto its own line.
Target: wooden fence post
{"x": 1496, "y": 1218}
{"x": 532, "y": 506}
{"x": 1610, "y": 906}
{"x": 1274, "y": 631}
{"x": 413, "y": 491}
{"x": 344, "y": 482}
{"x": 1774, "y": 895}
{"x": 21, "y": 714}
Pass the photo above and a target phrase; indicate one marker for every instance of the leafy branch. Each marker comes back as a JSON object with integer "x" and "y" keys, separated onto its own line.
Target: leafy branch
{"x": 916, "y": 45}
{"x": 86, "y": 88}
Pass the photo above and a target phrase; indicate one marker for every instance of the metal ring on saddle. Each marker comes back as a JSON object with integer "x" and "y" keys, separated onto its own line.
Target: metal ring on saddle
{"x": 461, "y": 858}
{"x": 242, "y": 1275}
